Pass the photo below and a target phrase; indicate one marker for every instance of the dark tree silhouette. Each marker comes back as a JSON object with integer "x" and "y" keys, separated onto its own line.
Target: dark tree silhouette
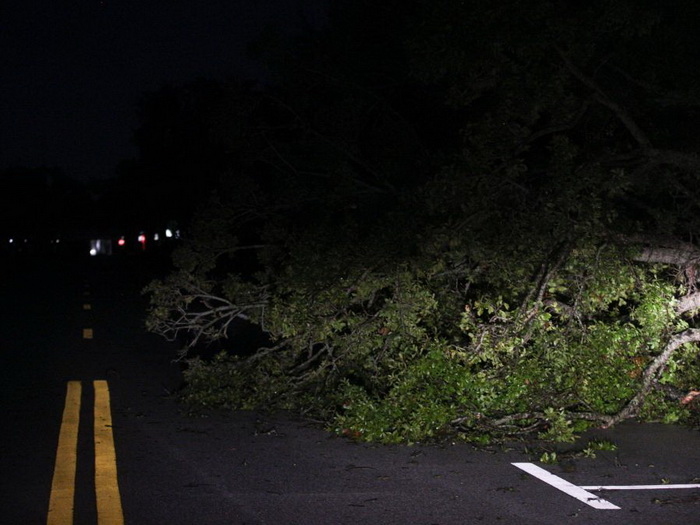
{"x": 481, "y": 220}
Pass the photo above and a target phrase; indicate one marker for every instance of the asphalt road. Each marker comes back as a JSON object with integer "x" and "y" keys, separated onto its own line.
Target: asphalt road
{"x": 248, "y": 468}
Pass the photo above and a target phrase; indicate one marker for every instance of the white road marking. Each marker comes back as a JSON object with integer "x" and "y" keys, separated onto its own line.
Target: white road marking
{"x": 642, "y": 487}
{"x": 568, "y": 488}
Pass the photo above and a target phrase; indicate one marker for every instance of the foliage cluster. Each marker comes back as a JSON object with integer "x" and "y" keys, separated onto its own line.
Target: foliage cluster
{"x": 530, "y": 271}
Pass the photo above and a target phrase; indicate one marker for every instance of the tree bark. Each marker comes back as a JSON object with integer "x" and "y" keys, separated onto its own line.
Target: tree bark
{"x": 688, "y": 303}
{"x": 663, "y": 255}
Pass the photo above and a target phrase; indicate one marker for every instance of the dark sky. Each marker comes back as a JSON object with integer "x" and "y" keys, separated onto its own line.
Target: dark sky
{"x": 72, "y": 71}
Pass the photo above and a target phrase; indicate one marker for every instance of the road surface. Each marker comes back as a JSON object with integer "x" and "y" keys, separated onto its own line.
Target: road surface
{"x": 79, "y": 322}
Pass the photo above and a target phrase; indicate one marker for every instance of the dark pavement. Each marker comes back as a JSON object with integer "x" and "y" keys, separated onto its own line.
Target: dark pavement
{"x": 236, "y": 468}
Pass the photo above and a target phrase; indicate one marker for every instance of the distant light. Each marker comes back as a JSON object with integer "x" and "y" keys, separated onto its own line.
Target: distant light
{"x": 101, "y": 247}
{"x": 58, "y": 240}
{"x": 121, "y": 241}
{"x": 177, "y": 234}
{"x": 142, "y": 238}
{"x": 11, "y": 241}
{"x": 156, "y": 237}
{"x": 168, "y": 233}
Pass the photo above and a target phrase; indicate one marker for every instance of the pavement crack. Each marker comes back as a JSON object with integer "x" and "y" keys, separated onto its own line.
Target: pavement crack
{"x": 356, "y": 467}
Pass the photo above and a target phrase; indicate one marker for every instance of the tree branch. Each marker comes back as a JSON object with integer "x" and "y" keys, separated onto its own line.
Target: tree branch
{"x": 600, "y": 96}
{"x": 688, "y": 303}
{"x": 187, "y": 307}
{"x": 663, "y": 250}
{"x": 651, "y": 375}
{"x": 667, "y": 256}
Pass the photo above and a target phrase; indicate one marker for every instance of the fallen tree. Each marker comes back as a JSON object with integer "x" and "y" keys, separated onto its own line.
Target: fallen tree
{"x": 540, "y": 276}
{"x": 395, "y": 352}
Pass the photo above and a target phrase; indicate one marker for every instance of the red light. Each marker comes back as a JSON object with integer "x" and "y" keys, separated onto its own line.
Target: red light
{"x": 142, "y": 238}
{"x": 121, "y": 242}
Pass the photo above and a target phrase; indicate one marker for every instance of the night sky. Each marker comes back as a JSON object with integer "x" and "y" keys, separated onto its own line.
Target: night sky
{"x": 72, "y": 72}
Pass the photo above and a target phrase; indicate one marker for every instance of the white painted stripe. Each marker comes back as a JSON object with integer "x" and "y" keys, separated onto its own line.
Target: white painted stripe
{"x": 642, "y": 487}
{"x": 568, "y": 488}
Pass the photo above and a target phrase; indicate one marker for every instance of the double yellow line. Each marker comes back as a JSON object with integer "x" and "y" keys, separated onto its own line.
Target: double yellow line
{"x": 61, "y": 503}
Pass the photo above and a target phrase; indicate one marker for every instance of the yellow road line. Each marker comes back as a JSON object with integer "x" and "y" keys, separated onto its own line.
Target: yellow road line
{"x": 63, "y": 485}
{"x": 109, "y": 506}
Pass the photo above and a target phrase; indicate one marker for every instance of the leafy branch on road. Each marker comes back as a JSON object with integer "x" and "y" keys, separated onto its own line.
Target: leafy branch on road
{"x": 195, "y": 311}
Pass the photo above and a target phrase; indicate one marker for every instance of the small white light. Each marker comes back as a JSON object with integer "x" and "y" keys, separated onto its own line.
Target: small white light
{"x": 11, "y": 241}
{"x": 168, "y": 233}
{"x": 156, "y": 237}
{"x": 93, "y": 251}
